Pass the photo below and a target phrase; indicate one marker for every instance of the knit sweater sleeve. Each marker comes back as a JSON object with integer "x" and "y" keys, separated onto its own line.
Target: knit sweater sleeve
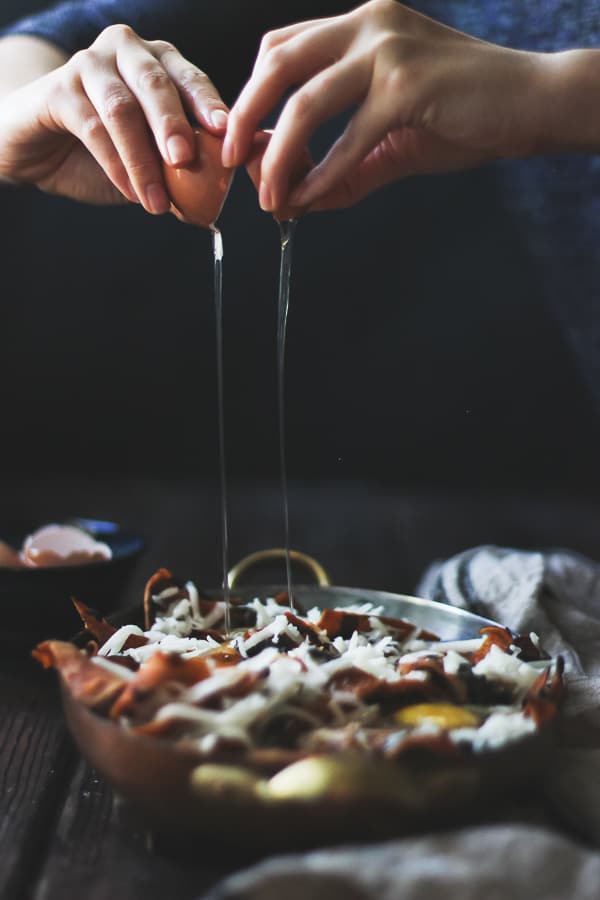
{"x": 220, "y": 36}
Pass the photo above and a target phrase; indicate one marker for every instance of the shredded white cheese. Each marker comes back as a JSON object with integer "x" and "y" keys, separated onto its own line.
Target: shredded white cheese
{"x": 499, "y": 666}
{"x": 305, "y": 684}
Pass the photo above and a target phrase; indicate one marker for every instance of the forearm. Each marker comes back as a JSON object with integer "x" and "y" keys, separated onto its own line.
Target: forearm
{"x": 569, "y": 101}
{"x": 221, "y": 36}
{"x": 24, "y": 58}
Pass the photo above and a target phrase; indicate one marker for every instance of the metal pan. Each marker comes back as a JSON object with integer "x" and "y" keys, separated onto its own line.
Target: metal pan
{"x": 337, "y": 798}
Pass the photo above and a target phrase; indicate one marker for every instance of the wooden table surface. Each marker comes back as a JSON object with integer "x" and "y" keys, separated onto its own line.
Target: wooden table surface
{"x": 61, "y": 833}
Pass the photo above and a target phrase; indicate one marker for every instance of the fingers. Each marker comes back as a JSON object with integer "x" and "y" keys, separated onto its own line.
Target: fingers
{"x": 274, "y": 38}
{"x": 365, "y": 130}
{"x": 197, "y": 91}
{"x": 151, "y": 86}
{"x": 139, "y": 91}
{"x": 73, "y": 112}
{"x": 325, "y": 95}
{"x": 381, "y": 166}
{"x": 122, "y": 117}
{"x": 403, "y": 152}
{"x": 282, "y": 64}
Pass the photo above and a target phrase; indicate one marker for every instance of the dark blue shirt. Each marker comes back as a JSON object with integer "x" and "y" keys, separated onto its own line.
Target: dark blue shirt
{"x": 555, "y": 201}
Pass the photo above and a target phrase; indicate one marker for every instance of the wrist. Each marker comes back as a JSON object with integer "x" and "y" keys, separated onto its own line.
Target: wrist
{"x": 567, "y": 118}
{"x": 24, "y": 59}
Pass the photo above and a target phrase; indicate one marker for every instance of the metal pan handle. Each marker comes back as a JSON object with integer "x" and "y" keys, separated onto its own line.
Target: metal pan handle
{"x": 260, "y": 556}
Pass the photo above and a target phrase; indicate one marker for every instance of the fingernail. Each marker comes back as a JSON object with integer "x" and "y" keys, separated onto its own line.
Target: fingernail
{"x": 228, "y": 155}
{"x": 218, "y": 119}
{"x": 264, "y": 197}
{"x": 156, "y": 199}
{"x": 179, "y": 150}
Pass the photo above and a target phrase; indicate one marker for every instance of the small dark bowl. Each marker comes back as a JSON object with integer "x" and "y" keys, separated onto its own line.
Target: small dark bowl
{"x": 35, "y": 603}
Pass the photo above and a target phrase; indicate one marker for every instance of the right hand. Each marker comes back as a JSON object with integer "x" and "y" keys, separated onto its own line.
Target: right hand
{"x": 95, "y": 128}
{"x": 423, "y": 98}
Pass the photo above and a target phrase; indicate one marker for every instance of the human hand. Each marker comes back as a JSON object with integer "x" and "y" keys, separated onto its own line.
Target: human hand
{"x": 95, "y": 128}
{"x": 428, "y": 99}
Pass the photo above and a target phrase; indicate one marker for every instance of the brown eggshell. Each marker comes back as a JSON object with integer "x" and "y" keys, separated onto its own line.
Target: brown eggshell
{"x": 9, "y": 558}
{"x": 62, "y": 545}
{"x": 198, "y": 191}
{"x": 253, "y": 166}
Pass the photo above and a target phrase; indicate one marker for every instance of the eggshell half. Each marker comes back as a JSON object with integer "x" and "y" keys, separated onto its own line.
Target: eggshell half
{"x": 62, "y": 545}
{"x": 198, "y": 191}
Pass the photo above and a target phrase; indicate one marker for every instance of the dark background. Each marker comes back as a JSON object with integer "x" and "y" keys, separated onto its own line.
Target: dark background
{"x": 422, "y": 351}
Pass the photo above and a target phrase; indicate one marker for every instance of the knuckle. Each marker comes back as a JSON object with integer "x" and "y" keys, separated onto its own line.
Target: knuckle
{"x": 118, "y": 103}
{"x": 388, "y": 45}
{"x": 393, "y": 55}
{"x": 163, "y": 47}
{"x": 300, "y": 105}
{"x": 268, "y": 42}
{"x": 275, "y": 60}
{"x": 382, "y": 8}
{"x": 79, "y": 58}
{"x": 192, "y": 79}
{"x": 118, "y": 32}
{"x": 171, "y": 123}
{"x": 152, "y": 78}
{"x": 82, "y": 62}
{"x": 326, "y": 83}
{"x": 142, "y": 171}
{"x": 91, "y": 128}
{"x": 395, "y": 80}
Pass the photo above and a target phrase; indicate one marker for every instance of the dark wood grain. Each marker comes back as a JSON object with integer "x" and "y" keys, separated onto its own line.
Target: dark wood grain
{"x": 98, "y": 851}
{"x": 61, "y": 834}
{"x": 36, "y": 757}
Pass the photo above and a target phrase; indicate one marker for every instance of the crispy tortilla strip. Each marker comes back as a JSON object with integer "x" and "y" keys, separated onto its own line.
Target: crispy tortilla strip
{"x": 454, "y": 687}
{"x": 102, "y": 630}
{"x": 156, "y": 584}
{"x": 225, "y": 655}
{"x": 174, "y": 729}
{"x": 393, "y": 694}
{"x": 95, "y": 687}
{"x": 283, "y": 599}
{"x": 504, "y": 638}
{"x": 340, "y": 623}
{"x": 543, "y": 698}
{"x": 306, "y": 629}
{"x": 241, "y": 688}
{"x": 164, "y": 579}
{"x": 494, "y": 635}
{"x": 161, "y": 670}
